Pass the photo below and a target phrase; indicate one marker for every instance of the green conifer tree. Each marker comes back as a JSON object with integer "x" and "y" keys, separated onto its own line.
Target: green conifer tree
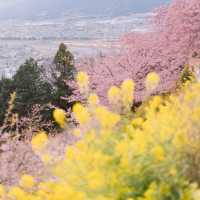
{"x": 64, "y": 72}
{"x": 30, "y": 87}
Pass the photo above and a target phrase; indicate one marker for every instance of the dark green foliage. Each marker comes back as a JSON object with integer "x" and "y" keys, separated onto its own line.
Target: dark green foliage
{"x": 64, "y": 62}
{"x": 63, "y": 73}
{"x": 187, "y": 75}
{"x": 31, "y": 89}
{"x": 6, "y": 88}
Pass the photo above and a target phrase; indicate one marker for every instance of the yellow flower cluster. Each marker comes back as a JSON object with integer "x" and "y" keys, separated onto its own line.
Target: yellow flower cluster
{"x": 122, "y": 96}
{"x": 134, "y": 156}
{"x": 77, "y": 132}
{"x": 109, "y": 121}
{"x": 152, "y": 81}
{"x": 60, "y": 117}
{"x": 81, "y": 114}
{"x": 39, "y": 141}
{"x": 83, "y": 81}
{"x": 27, "y": 181}
{"x": 127, "y": 91}
{"x": 93, "y": 100}
{"x": 114, "y": 95}
{"x": 158, "y": 153}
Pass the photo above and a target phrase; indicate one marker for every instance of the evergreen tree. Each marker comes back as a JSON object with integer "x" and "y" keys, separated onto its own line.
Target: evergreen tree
{"x": 64, "y": 62}
{"x": 30, "y": 87}
{"x": 64, "y": 72}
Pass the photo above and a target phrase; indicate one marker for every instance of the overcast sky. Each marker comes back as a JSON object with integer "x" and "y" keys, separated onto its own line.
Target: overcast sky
{"x": 24, "y": 8}
{"x": 7, "y": 3}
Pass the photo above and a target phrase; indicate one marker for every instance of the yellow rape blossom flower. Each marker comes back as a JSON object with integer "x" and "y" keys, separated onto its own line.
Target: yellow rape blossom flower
{"x": 127, "y": 92}
{"x": 180, "y": 139}
{"x": 152, "y": 81}
{"x": 70, "y": 153}
{"x": 82, "y": 81}
{"x": 60, "y": 116}
{"x": 93, "y": 100}
{"x": 95, "y": 180}
{"x": 17, "y": 193}
{"x": 149, "y": 194}
{"x": 173, "y": 172}
{"x": 77, "y": 132}
{"x": 46, "y": 158}
{"x": 110, "y": 120}
{"x": 39, "y": 141}
{"x": 90, "y": 136}
{"x": 2, "y": 190}
{"x": 136, "y": 122}
{"x": 158, "y": 153}
{"x": 81, "y": 114}
{"x": 114, "y": 95}
{"x": 27, "y": 181}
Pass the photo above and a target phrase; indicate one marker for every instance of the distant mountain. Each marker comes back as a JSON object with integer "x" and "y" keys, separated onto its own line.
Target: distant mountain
{"x": 54, "y": 8}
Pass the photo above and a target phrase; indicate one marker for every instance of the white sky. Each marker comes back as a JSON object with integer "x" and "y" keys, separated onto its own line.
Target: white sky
{"x": 6, "y": 3}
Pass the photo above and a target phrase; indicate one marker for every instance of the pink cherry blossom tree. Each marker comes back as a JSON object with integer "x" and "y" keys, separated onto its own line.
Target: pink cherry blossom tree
{"x": 165, "y": 50}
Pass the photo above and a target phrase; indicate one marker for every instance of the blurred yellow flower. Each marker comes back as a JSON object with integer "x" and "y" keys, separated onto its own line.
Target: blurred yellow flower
{"x": 60, "y": 116}
{"x": 2, "y": 190}
{"x": 137, "y": 121}
{"x": 39, "y": 141}
{"x": 127, "y": 92}
{"x": 173, "y": 172}
{"x": 70, "y": 152}
{"x": 158, "y": 152}
{"x": 46, "y": 158}
{"x": 114, "y": 95}
{"x": 82, "y": 81}
{"x": 81, "y": 114}
{"x": 95, "y": 180}
{"x": 106, "y": 118}
{"x": 27, "y": 181}
{"x": 93, "y": 99}
{"x": 152, "y": 81}
{"x": 77, "y": 132}
{"x": 17, "y": 193}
